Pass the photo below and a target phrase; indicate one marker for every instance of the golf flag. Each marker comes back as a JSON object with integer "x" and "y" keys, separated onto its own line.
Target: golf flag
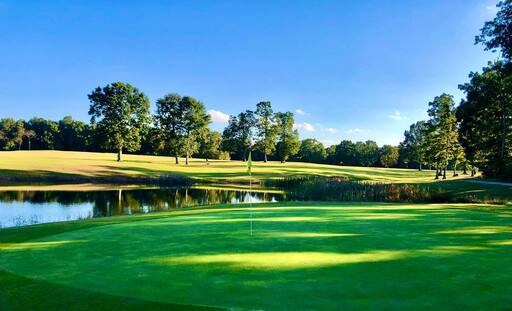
{"x": 249, "y": 164}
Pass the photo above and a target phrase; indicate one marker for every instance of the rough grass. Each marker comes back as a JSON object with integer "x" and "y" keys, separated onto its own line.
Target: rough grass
{"x": 300, "y": 256}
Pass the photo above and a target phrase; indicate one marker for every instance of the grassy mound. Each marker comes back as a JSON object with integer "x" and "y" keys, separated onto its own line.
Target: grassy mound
{"x": 300, "y": 256}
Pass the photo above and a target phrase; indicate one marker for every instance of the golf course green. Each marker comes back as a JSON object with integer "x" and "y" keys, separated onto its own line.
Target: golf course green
{"x": 299, "y": 256}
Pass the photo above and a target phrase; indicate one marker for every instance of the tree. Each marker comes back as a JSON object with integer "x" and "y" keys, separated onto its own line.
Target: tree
{"x": 169, "y": 119}
{"x": 497, "y": 34}
{"x": 414, "y": 146}
{"x": 45, "y": 133}
{"x": 181, "y": 121}
{"x": 72, "y": 135}
{"x": 331, "y": 154}
{"x": 345, "y": 153}
{"x": 237, "y": 138}
{"x": 288, "y": 138}
{"x": 485, "y": 119}
{"x": 209, "y": 144}
{"x": 266, "y": 129}
{"x": 444, "y": 138}
{"x": 8, "y": 129}
{"x": 367, "y": 153}
{"x": 389, "y": 155}
{"x": 311, "y": 150}
{"x": 121, "y": 113}
{"x": 195, "y": 122}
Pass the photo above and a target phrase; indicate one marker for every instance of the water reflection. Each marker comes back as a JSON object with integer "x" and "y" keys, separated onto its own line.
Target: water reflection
{"x": 21, "y": 208}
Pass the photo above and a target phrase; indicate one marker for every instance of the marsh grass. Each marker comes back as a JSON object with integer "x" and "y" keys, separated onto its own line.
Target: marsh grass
{"x": 316, "y": 188}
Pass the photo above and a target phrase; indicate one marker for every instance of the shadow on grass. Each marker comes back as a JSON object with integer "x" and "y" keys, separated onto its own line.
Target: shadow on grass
{"x": 21, "y": 293}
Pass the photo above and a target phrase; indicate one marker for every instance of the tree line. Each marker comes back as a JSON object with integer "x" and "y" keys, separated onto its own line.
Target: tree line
{"x": 121, "y": 121}
{"x": 478, "y": 132}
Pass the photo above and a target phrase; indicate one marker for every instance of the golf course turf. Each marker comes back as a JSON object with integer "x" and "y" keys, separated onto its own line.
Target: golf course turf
{"x": 300, "y": 256}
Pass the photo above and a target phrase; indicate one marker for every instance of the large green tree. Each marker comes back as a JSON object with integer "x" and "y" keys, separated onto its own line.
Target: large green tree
{"x": 210, "y": 144}
{"x": 414, "y": 146}
{"x": 345, "y": 153}
{"x": 8, "y": 132}
{"x": 237, "y": 137}
{"x": 486, "y": 119}
{"x": 288, "y": 138}
{"x": 311, "y": 150}
{"x": 444, "y": 137}
{"x": 121, "y": 114}
{"x": 266, "y": 128}
{"x": 497, "y": 34}
{"x": 72, "y": 134}
{"x": 196, "y": 121}
{"x": 367, "y": 153}
{"x": 388, "y": 155}
{"x": 181, "y": 121}
{"x": 45, "y": 132}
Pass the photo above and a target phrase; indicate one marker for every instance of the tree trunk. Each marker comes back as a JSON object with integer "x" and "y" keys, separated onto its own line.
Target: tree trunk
{"x": 444, "y": 173}
{"x": 420, "y": 169}
{"x": 437, "y": 172}
{"x": 186, "y": 159}
{"x": 503, "y": 131}
{"x": 265, "y": 158}
{"x": 29, "y": 147}
{"x": 454, "y": 170}
{"x": 177, "y": 161}
{"x": 464, "y": 171}
{"x": 120, "y": 155}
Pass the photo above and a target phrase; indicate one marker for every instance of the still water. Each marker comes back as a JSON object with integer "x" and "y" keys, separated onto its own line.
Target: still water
{"x": 22, "y": 208}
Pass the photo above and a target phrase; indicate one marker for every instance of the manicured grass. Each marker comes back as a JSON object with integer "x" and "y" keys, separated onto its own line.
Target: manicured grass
{"x": 300, "y": 256}
{"x": 48, "y": 163}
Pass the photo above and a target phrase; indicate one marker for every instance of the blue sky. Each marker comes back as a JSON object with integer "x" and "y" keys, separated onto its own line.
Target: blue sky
{"x": 349, "y": 69}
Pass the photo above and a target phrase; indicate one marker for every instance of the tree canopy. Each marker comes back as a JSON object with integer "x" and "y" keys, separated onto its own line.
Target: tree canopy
{"x": 121, "y": 113}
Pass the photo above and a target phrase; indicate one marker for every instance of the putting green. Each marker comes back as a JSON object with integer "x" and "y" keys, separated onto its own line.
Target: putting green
{"x": 315, "y": 256}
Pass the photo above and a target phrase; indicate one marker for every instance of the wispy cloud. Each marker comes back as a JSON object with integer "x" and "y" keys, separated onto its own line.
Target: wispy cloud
{"x": 301, "y": 112}
{"x": 356, "y": 131}
{"x": 328, "y": 142}
{"x": 218, "y": 116}
{"x": 304, "y": 126}
{"x": 321, "y": 128}
{"x": 397, "y": 116}
{"x": 492, "y": 9}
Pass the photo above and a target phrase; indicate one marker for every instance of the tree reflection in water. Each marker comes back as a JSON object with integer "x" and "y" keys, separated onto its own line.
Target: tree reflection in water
{"x": 31, "y": 207}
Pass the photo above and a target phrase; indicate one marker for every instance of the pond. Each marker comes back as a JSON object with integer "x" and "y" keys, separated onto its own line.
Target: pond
{"x": 22, "y": 208}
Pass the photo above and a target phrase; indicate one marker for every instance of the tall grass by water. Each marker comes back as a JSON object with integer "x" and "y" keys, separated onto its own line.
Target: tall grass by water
{"x": 317, "y": 188}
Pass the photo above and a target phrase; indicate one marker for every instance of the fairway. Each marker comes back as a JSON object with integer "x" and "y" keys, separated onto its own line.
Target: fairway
{"x": 300, "y": 256}
{"x": 44, "y": 164}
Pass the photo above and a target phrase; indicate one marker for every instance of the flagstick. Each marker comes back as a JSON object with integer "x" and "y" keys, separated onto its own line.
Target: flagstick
{"x": 250, "y": 198}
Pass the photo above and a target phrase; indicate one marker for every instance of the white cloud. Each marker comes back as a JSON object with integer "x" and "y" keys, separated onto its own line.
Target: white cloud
{"x": 493, "y": 9}
{"x": 304, "y": 126}
{"x": 356, "y": 130}
{"x": 328, "y": 142}
{"x": 218, "y": 116}
{"x": 397, "y": 116}
{"x": 301, "y": 112}
{"x": 330, "y": 130}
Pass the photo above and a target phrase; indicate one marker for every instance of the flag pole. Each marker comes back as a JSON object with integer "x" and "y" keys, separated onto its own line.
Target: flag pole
{"x": 249, "y": 170}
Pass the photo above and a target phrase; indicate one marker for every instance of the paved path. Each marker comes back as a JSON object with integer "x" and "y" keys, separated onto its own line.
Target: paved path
{"x": 497, "y": 183}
